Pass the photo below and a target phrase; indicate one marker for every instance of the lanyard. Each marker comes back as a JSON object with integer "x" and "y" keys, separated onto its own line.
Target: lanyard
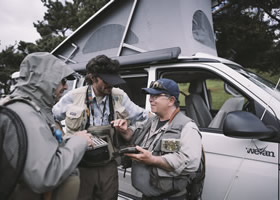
{"x": 90, "y": 101}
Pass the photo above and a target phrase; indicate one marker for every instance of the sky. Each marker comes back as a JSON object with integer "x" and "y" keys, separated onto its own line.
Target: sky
{"x": 16, "y": 21}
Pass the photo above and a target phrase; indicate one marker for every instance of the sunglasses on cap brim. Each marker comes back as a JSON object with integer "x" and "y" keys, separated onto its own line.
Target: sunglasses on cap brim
{"x": 157, "y": 85}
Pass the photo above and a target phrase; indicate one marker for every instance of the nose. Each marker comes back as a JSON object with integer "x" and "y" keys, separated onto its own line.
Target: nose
{"x": 151, "y": 99}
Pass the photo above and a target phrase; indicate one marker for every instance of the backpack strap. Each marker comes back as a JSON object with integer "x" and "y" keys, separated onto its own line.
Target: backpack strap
{"x": 12, "y": 99}
{"x": 111, "y": 107}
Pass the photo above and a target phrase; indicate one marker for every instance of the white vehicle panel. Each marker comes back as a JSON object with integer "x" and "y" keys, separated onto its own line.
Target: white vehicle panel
{"x": 235, "y": 165}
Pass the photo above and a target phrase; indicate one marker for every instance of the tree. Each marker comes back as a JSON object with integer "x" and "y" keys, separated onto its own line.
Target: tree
{"x": 60, "y": 19}
{"x": 10, "y": 61}
{"x": 247, "y": 32}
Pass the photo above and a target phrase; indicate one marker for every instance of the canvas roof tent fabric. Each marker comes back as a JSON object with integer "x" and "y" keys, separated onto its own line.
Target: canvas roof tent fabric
{"x": 128, "y": 27}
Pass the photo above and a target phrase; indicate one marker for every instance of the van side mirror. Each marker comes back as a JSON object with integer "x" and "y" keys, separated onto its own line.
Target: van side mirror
{"x": 245, "y": 125}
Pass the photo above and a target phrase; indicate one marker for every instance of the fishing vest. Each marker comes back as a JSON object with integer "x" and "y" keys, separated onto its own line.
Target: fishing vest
{"x": 78, "y": 112}
{"x": 77, "y": 118}
{"x": 155, "y": 181}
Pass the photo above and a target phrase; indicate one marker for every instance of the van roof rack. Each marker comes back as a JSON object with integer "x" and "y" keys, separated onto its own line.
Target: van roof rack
{"x": 159, "y": 56}
{"x": 150, "y": 57}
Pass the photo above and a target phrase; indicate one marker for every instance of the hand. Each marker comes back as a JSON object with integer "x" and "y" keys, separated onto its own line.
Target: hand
{"x": 120, "y": 125}
{"x": 148, "y": 158}
{"x": 144, "y": 156}
{"x": 86, "y": 135}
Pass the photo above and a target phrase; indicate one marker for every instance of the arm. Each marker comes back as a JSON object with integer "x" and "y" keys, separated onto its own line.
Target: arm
{"x": 121, "y": 127}
{"x": 60, "y": 108}
{"x": 135, "y": 113}
{"x": 47, "y": 164}
{"x": 188, "y": 158}
{"x": 146, "y": 157}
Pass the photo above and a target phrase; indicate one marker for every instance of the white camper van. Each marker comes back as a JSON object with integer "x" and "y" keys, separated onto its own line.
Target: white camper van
{"x": 237, "y": 111}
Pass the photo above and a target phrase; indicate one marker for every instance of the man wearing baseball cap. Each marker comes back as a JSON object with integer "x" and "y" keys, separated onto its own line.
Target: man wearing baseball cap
{"x": 103, "y": 103}
{"x": 169, "y": 146}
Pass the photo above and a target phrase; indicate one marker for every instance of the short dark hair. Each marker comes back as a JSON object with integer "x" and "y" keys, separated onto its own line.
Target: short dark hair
{"x": 102, "y": 64}
{"x": 177, "y": 103}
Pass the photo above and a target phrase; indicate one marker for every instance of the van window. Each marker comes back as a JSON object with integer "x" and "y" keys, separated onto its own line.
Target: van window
{"x": 205, "y": 97}
{"x": 103, "y": 39}
{"x": 202, "y": 30}
{"x": 133, "y": 88}
{"x": 218, "y": 94}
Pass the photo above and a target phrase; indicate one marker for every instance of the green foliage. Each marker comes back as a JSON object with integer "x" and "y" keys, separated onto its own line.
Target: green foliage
{"x": 268, "y": 76}
{"x": 248, "y": 33}
{"x": 85, "y": 9}
{"x": 60, "y": 19}
{"x": 68, "y": 16}
{"x": 219, "y": 96}
{"x": 10, "y": 61}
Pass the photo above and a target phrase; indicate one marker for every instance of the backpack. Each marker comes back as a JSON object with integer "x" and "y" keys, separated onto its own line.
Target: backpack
{"x": 13, "y": 148}
{"x": 195, "y": 189}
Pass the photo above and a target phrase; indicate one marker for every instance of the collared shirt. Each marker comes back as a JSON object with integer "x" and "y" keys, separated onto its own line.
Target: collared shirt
{"x": 135, "y": 113}
{"x": 101, "y": 114}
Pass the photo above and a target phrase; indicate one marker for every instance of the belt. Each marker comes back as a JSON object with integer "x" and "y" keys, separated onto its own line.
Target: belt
{"x": 182, "y": 197}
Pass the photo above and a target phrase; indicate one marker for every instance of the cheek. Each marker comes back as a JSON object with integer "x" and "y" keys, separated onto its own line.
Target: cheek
{"x": 57, "y": 90}
{"x": 98, "y": 86}
{"x": 161, "y": 106}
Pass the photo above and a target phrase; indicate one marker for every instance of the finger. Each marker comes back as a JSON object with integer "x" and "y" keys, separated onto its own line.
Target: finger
{"x": 122, "y": 122}
{"x": 115, "y": 123}
{"x": 91, "y": 142}
{"x": 140, "y": 149}
{"x": 131, "y": 155}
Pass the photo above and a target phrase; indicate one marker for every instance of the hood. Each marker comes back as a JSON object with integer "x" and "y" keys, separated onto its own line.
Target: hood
{"x": 40, "y": 74}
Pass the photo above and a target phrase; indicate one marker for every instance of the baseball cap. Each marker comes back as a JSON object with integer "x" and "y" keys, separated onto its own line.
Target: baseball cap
{"x": 163, "y": 86}
{"x": 111, "y": 78}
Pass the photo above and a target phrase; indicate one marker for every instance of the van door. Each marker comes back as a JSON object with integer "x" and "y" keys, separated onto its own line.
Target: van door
{"x": 235, "y": 168}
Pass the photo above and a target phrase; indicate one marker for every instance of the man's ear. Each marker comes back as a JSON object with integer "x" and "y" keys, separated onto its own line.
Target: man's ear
{"x": 172, "y": 100}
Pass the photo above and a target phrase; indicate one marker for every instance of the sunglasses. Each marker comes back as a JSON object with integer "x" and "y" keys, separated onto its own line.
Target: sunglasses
{"x": 157, "y": 85}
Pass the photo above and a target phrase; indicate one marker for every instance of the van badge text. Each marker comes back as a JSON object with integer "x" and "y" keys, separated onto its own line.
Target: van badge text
{"x": 260, "y": 151}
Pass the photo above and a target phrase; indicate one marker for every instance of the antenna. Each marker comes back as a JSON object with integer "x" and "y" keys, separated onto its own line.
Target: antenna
{"x": 270, "y": 100}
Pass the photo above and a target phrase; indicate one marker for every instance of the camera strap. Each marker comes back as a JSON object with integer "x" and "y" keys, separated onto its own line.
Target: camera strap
{"x": 89, "y": 103}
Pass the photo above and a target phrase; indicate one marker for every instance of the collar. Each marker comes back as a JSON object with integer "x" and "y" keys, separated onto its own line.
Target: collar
{"x": 97, "y": 98}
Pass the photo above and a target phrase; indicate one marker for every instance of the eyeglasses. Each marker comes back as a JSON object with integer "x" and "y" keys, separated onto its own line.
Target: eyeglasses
{"x": 156, "y": 96}
{"x": 157, "y": 85}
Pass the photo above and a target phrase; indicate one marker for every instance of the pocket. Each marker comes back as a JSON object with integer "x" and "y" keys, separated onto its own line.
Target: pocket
{"x": 76, "y": 117}
{"x": 162, "y": 180}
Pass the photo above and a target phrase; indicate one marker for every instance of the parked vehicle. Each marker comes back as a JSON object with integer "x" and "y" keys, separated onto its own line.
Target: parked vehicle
{"x": 237, "y": 111}
{"x": 240, "y": 133}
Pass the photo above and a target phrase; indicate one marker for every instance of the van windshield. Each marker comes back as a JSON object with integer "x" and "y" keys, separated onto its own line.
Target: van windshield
{"x": 267, "y": 85}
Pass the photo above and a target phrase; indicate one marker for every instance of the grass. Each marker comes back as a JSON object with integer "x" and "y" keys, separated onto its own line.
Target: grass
{"x": 216, "y": 87}
{"x": 267, "y": 75}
